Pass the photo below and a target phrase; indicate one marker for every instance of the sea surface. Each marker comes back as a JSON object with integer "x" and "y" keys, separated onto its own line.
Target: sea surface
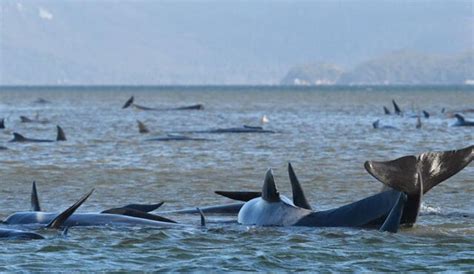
{"x": 325, "y": 132}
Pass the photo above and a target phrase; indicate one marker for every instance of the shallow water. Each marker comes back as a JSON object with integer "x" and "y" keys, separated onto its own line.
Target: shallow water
{"x": 326, "y": 133}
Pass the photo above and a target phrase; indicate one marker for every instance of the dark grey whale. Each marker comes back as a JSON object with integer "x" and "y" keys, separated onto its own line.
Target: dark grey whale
{"x": 2, "y": 123}
{"x": 25, "y": 119}
{"x": 376, "y": 125}
{"x": 174, "y": 137}
{"x": 131, "y": 103}
{"x": 461, "y": 122}
{"x": 22, "y": 139}
{"x": 273, "y": 209}
{"x": 243, "y": 129}
{"x": 396, "y": 108}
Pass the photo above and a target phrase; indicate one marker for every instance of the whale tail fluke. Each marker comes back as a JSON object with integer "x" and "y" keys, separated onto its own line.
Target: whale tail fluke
{"x": 35, "y": 204}
{"x": 17, "y": 137}
{"x": 144, "y": 207}
{"x": 128, "y": 103}
{"x": 299, "y": 199}
{"x": 61, "y": 136}
{"x": 435, "y": 167}
{"x": 413, "y": 204}
{"x": 59, "y": 220}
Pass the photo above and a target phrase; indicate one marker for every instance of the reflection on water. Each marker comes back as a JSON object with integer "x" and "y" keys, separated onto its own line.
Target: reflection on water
{"x": 326, "y": 133}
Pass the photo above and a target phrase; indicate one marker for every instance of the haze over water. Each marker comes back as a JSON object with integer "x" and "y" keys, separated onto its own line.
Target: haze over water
{"x": 326, "y": 133}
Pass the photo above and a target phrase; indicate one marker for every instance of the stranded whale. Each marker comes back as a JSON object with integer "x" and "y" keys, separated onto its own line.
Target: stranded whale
{"x": 130, "y": 215}
{"x": 56, "y": 222}
{"x": 461, "y": 122}
{"x": 22, "y": 139}
{"x": 131, "y": 103}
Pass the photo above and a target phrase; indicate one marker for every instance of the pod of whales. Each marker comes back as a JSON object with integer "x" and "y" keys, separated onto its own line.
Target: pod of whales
{"x": 22, "y": 139}
{"x": 131, "y": 103}
{"x": 406, "y": 179}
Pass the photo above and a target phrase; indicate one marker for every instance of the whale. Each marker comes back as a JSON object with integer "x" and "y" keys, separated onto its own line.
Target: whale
{"x": 130, "y": 215}
{"x": 2, "y": 123}
{"x": 22, "y": 139}
{"x": 376, "y": 125}
{"x": 25, "y": 119}
{"x": 461, "y": 122}
{"x": 174, "y": 137}
{"x": 386, "y": 111}
{"x": 130, "y": 102}
{"x": 273, "y": 209}
{"x": 58, "y": 221}
{"x": 243, "y": 129}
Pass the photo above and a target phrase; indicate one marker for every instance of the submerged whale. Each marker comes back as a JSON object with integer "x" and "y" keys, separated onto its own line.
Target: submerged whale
{"x": 174, "y": 137}
{"x": 22, "y": 139}
{"x": 25, "y": 119}
{"x": 461, "y": 122}
{"x": 131, "y": 103}
{"x": 243, "y": 129}
{"x": 376, "y": 125}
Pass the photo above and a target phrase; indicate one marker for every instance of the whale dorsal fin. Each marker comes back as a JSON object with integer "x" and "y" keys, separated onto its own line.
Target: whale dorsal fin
{"x": 35, "y": 205}
{"x": 244, "y": 196}
{"x": 399, "y": 174}
{"x": 386, "y": 111}
{"x": 436, "y": 167}
{"x": 128, "y": 103}
{"x": 376, "y": 124}
{"x": 61, "y": 136}
{"x": 396, "y": 107}
{"x": 426, "y": 114}
{"x": 59, "y": 220}
{"x": 269, "y": 190}
{"x": 141, "y": 127}
{"x": 17, "y": 137}
{"x": 299, "y": 198}
{"x": 459, "y": 117}
{"x": 25, "y": 119}
{"x": 2, "y": 123}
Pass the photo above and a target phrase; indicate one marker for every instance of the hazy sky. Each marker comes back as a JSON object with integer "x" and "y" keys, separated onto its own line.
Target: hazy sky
{"x": 214, "y": 42}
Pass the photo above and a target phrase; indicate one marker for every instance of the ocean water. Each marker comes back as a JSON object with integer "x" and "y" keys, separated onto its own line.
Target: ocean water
{"x": 326, "y": 133}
